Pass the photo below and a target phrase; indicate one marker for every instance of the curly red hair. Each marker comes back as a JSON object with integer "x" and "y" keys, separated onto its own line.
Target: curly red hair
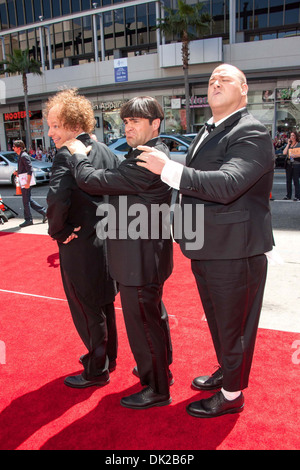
{"x": 75, "y": 111}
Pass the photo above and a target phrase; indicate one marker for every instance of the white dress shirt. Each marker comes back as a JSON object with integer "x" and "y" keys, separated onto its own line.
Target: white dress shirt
{"x": 172, "y": 171}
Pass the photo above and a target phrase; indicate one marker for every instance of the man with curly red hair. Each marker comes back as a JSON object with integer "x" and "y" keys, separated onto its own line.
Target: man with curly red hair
{"x": 89, "y": 289}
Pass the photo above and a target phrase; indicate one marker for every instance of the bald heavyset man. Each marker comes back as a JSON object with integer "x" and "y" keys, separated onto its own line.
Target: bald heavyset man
{"x": 229, "y": 171}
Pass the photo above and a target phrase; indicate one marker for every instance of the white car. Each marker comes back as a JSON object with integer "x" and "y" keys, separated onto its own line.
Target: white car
{"x": 177, "y": 144}
{"x": 9, "y": 164}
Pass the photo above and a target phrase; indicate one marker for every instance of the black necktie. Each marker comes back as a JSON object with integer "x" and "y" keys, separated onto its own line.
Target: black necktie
{"x": 209, "y": 127}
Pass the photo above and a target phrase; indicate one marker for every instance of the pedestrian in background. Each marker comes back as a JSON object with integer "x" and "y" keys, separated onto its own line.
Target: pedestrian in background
{"x": 25, "y": 166}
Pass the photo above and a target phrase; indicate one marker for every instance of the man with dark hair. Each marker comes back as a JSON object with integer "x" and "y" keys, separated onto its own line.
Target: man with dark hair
{"x": 139, "y": 263}
{"x": 25, "y": 166}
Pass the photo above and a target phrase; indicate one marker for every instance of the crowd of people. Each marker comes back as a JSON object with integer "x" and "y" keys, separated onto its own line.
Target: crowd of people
{"x": 280, "y": 142}
{"x": 289, "y": 146}
{"x": 42, "y": 154}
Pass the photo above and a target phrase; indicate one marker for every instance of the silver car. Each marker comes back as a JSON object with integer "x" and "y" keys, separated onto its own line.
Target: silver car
{"x": 9, "y": 164}
{"x": 177, "y": 144}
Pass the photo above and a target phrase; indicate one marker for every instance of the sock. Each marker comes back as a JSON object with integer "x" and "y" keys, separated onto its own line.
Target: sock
{"x": 230, "y": 395}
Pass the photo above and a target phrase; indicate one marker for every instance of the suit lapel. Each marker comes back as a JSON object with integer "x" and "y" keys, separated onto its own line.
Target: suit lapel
{"x": 228, "y": 122}
{"x": 194, "y": 145}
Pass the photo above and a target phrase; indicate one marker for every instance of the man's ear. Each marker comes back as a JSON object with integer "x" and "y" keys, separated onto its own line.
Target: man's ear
{"x": 156, "y": 124}
{"x": 244, "y": 89}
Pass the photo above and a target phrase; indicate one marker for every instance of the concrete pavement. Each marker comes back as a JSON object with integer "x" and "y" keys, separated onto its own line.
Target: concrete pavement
{"x": 281, "y": 308}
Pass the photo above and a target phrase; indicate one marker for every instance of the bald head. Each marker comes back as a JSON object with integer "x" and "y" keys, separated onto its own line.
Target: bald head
{"x": 231, "y": 70}
{"x": 227, "y": 91}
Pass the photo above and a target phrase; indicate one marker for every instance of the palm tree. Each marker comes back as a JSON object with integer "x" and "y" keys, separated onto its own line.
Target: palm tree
{"x": 20, "y": 63}
{"x": 190, "y": 22}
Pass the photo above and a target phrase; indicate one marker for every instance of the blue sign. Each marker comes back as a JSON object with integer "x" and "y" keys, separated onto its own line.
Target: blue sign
{"x": 121, "y": 70}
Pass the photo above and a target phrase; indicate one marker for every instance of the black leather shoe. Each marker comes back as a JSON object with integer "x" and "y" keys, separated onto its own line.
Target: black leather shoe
{"x": 217, "y": 405}
{"x": 45, "y": 219}
{"x": 207, "y": 382}
{"x": 136, "y": 373}
{"x": 78, "y": 381}
{"x": 144, "y": 399}
{"x": 112, "y": 364}
{"x": 27, "y": 223}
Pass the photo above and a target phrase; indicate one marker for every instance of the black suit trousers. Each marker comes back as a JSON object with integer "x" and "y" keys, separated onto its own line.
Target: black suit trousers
{"x": 96, "y": 326}
{"x": 231, "y": 292}
{"x": 148, "y": 333}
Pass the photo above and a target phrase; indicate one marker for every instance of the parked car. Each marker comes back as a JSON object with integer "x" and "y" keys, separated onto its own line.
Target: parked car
{"x": 191, "y": 136}
{"x": 280, "y": 160}
{"x": 177, "y": 144}
{"x": 9, "y": 164}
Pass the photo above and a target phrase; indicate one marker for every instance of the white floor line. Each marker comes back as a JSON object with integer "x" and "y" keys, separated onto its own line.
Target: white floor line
{"x": 39, "y": 296}
{"x": 31, "y": 295}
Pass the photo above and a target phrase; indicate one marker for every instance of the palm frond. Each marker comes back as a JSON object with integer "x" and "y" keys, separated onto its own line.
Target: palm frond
{"x": 19, "y": 62}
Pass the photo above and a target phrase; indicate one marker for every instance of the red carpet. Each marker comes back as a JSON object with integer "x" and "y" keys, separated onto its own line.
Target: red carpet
{"x": 37, "y": 411}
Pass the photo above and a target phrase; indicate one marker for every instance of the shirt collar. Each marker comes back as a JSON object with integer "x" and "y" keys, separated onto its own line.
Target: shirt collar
{"x": 211, "y": 120}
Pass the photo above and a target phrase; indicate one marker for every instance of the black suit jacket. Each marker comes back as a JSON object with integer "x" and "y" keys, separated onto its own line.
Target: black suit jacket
{"x": 146, "y": 259}
{"x": 24, "y": 164}
{"x": 83, "y": 260}
{"x": 237, "y": 167}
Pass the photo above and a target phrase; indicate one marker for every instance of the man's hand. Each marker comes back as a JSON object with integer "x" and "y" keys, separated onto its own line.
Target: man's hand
{"x": 72, "y": 236}
{"x": 153, "y": 160}
{"x": 76, "y": 146}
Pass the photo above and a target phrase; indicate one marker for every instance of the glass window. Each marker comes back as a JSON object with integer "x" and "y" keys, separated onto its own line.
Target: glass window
{"x": 68, "y": 36}
{"x": 246, "y": 14}
{"x": 152, "y": 15}
{"x": 46, "y": 9}
{"x": 28, "y": 11}
{"x": 32, "y": 43}
{"x": 20, "y": 12}
{"x": 141, "y": 13}
{"x": 85, "y": 4}
{"x": 3, "y": 16}
{"x": 265, "y": 114}
{"x": 130, "y": 26}
{"x": 56, "y": 8}
{"x": 65, "y": 5}
{"x": 87, "y": 35}
{"x": 260, "y": 14}
{"x": 119, "y": 28}
{"x": 37, "y": 9}
{"x": 217, "y": 13}
{"x": 11, "y": 13}
{"x": 291, "y": 12}
{"x": 58, "y": 37}
{"x": 75, "y": 6}
{"x": 77, "y": 35}
{"x": 276, "y": 13}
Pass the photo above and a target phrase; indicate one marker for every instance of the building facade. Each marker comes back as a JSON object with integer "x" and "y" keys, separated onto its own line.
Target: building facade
{"x": 111, "y": 51}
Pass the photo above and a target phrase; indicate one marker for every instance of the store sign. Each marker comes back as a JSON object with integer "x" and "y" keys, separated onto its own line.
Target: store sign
{"x": 198, "y": 102}
{"x": 121, "y": 70}
{"x": 15, "y": 116}
{"x": 108, "y": 105}
{"x": 195, "y": 102}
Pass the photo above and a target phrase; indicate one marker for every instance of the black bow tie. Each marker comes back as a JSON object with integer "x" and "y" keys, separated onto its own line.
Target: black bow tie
{"x": 209, "y": 127}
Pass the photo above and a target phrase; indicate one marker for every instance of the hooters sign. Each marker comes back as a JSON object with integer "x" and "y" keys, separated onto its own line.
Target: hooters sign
{"x": 16, "y": 116}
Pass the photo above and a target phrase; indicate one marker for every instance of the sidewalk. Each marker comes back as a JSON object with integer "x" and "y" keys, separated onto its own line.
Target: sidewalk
{"x": 281, "y": 308}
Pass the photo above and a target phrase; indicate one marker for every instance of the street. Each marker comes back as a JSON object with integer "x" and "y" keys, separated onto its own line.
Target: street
{"x": 286, "y": 214}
